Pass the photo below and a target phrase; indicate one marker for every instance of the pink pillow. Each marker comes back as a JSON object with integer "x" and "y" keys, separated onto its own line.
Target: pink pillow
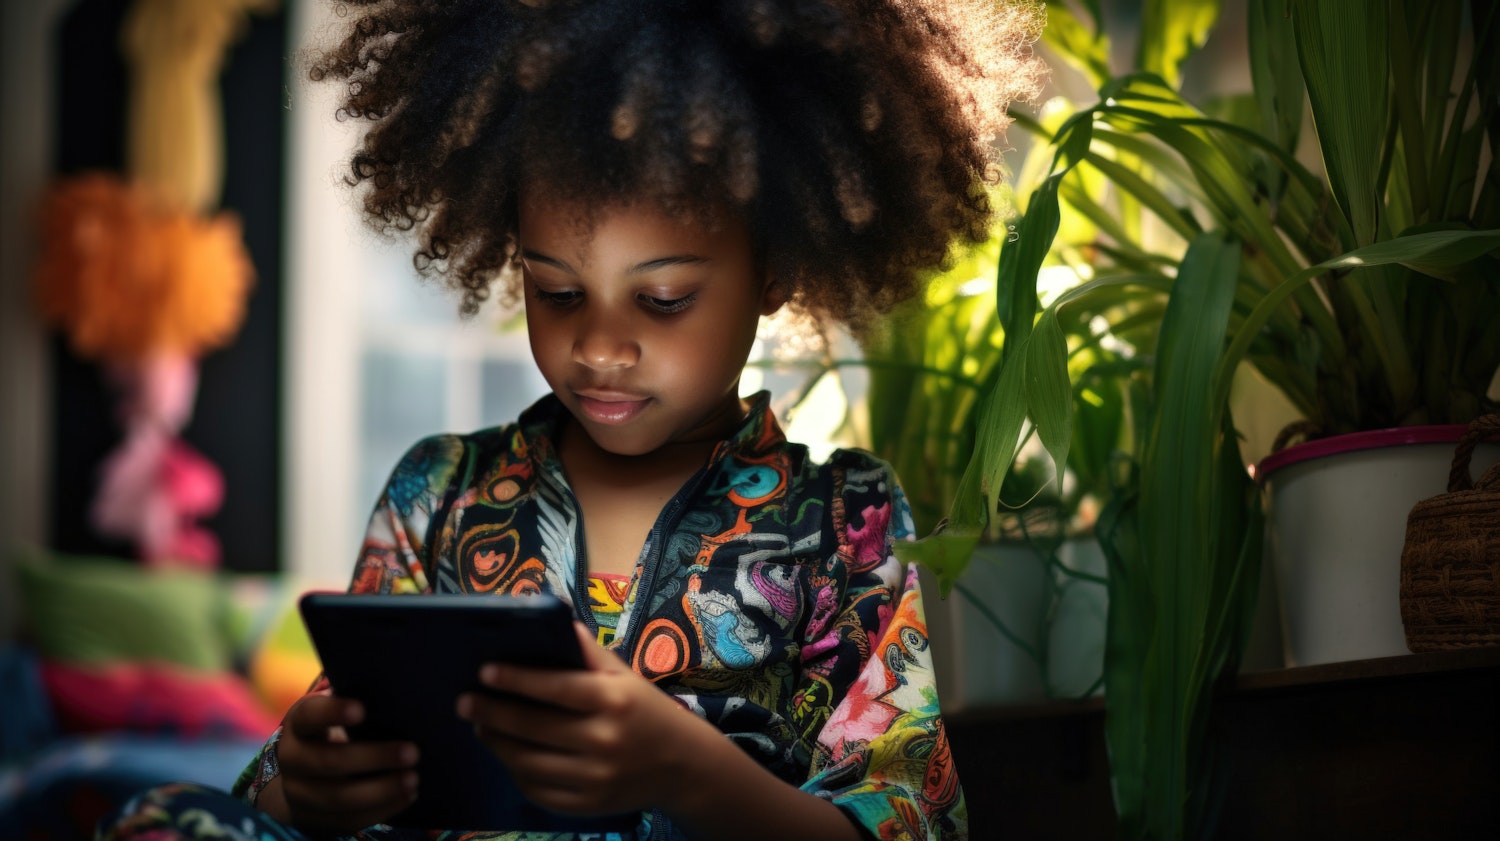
{"x": 155, "y": 698}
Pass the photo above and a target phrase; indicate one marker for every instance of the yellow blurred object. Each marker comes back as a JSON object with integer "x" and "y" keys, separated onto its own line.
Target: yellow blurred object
{"x": 281, "y": 677}
{"x": 126, "y": 278}
{"x": 285, "y": 664}
{"x": 176, "y": 49}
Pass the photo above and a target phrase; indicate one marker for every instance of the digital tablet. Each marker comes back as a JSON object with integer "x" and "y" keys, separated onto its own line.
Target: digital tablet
{"x": 407, "y": 658}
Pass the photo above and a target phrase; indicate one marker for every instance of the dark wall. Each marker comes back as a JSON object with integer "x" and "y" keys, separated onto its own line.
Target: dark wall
{"x": 237, "y": 414}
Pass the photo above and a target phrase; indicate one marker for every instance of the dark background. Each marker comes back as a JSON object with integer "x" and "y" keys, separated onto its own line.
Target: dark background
{"x": 236, "y": 419}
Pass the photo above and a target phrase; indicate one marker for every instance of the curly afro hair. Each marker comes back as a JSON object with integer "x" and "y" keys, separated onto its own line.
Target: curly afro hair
{"x": 855, "y": 137}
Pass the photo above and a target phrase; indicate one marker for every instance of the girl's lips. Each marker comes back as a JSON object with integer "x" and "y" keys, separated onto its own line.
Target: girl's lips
{"x": 610, "y": 411}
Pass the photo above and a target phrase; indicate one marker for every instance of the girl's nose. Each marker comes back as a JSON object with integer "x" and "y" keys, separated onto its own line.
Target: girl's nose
{"x": 605, "y": 344}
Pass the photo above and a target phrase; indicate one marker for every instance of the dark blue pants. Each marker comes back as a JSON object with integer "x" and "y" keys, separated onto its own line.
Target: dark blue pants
{"x": 189, "y": 812}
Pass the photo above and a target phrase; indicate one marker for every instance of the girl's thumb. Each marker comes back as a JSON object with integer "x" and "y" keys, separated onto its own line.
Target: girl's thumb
{"x": 595, "y": 656}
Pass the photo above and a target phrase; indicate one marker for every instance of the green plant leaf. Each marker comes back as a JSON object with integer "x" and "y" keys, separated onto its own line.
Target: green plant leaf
{"x": 1084, "y": 48}
{"x": 1172, "y": 30}
{"x": 1021, "y": 258}
{"x": 1406, "y": 86}
{"x": 1235, "y": 561}
{"x": 1179, "y": 219}
{"x": 1130, "y": 627}
{"x": 1074, "y": 137}
{"x": 1178, "y": 543}
{"x": 1099, "y": 420}
{"x": 947, "y": 554}
{"x": 1095, "y": 15}
{"x": 1223, "y": 173}
{"x": 1439, "y": 254}
{"x": 1434, "y": 253}
{"x": 1126, "y": 252}
{"x": 1274, "y": 73}
{"x": 1443, "y": 24}
{"x": 1341, "y": 46}
{"x": 1049, "y": 395}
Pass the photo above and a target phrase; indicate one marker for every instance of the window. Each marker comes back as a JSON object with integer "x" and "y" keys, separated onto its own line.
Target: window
{"x": 375, "y": 358}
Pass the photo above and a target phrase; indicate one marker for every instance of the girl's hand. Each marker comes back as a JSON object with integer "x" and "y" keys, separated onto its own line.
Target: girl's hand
{"x": 329, "y": 784}
{"x": 589, "y": 742}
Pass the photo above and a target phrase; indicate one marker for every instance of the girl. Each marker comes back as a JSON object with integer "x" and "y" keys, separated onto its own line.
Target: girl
{"x": 653, "y": 177}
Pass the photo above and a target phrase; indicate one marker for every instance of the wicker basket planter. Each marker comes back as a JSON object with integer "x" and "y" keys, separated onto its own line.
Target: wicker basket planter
{"x": 1450, "y": 565}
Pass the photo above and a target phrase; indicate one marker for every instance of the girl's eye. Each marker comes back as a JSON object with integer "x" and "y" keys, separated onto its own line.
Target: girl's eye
{"x": 668, "y": 306}
{"x": 558, "y": 299}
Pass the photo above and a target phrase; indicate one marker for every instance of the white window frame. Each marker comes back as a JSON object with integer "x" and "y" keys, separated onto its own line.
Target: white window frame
{"x": 27, "y": 98}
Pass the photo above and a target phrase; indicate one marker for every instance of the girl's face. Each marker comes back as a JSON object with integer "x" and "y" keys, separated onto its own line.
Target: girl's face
{"x": 640, "y": 323}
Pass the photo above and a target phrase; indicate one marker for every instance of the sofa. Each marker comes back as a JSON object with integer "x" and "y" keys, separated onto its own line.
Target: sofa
{"x": 123, "y": 677}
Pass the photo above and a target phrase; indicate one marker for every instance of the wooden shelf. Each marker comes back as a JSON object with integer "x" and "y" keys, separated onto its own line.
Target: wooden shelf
{"x": 1399, "y": 747}
{"x": 1270, "y": 680}
{"x": 1406, "y": 665}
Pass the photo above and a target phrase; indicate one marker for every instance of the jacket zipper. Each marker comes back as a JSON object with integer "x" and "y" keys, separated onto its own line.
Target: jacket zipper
{"x": 661, "y": 827}
{"x": 665, "y": 524}
{"x": 625, "y": 638}
{"x": 581, "y": 570}
{"x": 660, "y": 830}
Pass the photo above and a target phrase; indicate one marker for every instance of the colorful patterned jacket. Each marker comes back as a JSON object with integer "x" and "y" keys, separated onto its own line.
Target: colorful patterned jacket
{"x": 767, "y": 599}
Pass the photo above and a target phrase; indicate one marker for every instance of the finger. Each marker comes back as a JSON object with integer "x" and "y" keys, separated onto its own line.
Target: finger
{"x": 574, "y": 689}
{"x": 517, "y": 718}
{"x": 570, "y": 689}
{"x": 595, "y": 656}
{"x": 577, "y": 692}
{"x": 565, "y": 782}
{"x": 326, "y": 760}
{"x": 312, "y": 717}
{"x": 536, "y": 766}
{"x": 349, "y": 804}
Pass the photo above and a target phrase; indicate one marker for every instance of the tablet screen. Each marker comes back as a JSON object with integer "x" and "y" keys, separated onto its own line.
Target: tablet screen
{"x": 408, "y": 657}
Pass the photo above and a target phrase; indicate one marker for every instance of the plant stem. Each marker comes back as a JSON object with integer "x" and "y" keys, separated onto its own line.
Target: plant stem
{"x": 994, "y": 619}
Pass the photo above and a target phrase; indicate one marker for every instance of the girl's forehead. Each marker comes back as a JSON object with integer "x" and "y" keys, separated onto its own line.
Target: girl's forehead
{"x": 633, "y": 234}
{"x": 540, "y": 206}
{"x": 557, "y": 214}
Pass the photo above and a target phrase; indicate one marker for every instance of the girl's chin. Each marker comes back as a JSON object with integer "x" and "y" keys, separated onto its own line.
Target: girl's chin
{"x": 610, "y": 439}
{"x": 640, "y": 444}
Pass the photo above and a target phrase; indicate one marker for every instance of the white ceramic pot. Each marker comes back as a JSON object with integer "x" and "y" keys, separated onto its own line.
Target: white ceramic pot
{"x": 1075, "y": 650}
{"x": 1059, "y": 618}
{"x": 1336, "y": 523}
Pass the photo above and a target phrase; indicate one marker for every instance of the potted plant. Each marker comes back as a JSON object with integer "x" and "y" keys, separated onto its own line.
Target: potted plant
{"x": 1406, "y": 355}
{"x": 1025, "y": 623}
{"x": 1215, "y": 246}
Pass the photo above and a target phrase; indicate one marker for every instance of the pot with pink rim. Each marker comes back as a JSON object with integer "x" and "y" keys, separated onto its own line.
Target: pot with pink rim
{"x": 1335, "y": 524}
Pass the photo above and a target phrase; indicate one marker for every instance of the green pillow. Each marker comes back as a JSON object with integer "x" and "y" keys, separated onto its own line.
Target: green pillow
{"x": 102, "y": 610}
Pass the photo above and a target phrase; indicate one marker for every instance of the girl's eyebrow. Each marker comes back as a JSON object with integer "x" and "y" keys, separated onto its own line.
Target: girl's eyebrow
{"x": 666, "y": 262}
{"x": 535, "y": 257}
{"x": 639, "y": 268}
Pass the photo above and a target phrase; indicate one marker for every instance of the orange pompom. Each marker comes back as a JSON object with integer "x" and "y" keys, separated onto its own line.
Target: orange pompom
{"x": 126, "y": 278}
